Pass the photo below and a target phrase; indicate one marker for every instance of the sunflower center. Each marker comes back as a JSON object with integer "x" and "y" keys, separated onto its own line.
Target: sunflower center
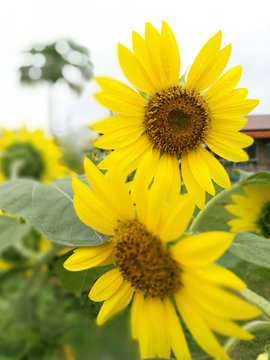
{"x": 263, "y": 222}
{"x": 177, "y": 120}
{"x": 144, "y": 260}
{"x": 24, "y": 159}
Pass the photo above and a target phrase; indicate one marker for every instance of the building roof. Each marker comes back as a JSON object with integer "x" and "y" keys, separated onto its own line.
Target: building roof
{"x": 257, "y": 122}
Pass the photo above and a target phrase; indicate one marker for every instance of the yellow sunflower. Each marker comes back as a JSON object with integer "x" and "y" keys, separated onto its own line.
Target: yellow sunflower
{"x": 159, "y": 275}
{"x": 253, "y": 210}
{"x": 175, "y": 117}
{"x": 31, "y": 155}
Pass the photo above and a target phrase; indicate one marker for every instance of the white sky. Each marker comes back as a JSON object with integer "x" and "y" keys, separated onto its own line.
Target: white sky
{"x": 100, "y": 25}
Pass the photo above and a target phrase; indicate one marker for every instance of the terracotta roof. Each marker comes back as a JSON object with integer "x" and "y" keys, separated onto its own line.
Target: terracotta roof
{"x": 257, "y": 122}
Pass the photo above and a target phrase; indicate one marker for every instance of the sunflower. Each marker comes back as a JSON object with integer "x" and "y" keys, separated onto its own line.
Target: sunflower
{"x": 153, "y": 270}
{"x": 176, "y": 118}
{"x": 253, "y": 210}
{"x": 31, "y": 155}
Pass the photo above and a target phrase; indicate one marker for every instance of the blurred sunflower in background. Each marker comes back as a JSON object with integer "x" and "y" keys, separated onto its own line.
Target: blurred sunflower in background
{"x": 161, "y": 275}
{"x": 252, "y": 210}
{"x": 30, "y": 155}
{"x": 175, "y": 117}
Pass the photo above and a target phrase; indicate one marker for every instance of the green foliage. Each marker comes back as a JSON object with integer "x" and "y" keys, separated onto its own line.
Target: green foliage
{"x": 12, "y": 230}
{"x": 56, "y": 57}
{"x": 50, "y": 209}
{"x": 78, "y": 281}
{"x": 252, "y": 248}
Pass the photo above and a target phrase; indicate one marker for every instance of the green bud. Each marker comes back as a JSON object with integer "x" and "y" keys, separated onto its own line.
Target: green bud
{"x": 263, "y": 222}
{"x": 27, "y": 159}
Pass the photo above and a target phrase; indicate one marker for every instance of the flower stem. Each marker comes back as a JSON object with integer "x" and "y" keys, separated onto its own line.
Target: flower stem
{"x": 257, "y": 301}
{"x": 208, "y": 206}
{"x": 251, "y": 327}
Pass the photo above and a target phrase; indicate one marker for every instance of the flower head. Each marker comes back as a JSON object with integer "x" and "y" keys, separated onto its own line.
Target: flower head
{"x": 153, "y": 270}
{"x": 253, "y": 210}
{"x": 31, "y": 155}
{"x": 175, "y": 117}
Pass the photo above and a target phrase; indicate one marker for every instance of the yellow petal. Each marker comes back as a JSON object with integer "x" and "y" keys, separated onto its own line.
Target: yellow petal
{"x": 106, "y": 285}
{"x": 119, "y": 139}
{"x": 217, "y": 301}
{"x": 238, "y": 225}
{"x": 108, "y": 193}
{"x": 220, "y": 276}
{"x": 253, "y": 205}
{"x": 224, "y": 84}
{"x": 170, "y": 56}
{"x": 202, "y": 61}
{"x": 217, "y": 171}
{"x": 159, "y": 328}
{"x": 224, "y": 124}
{"x": 214, "y": 69}
{"x": 87, "y": 257}
{"x": 202, "y": 249}
{"x": 129, "y": 157}
{"x": 198, "y": 327}
{"x": 191, "y": 183}
{"x": 144, "y": 331}
{"x": 252, "y": 192}
{"x": 241, "y": 211}
{"x": 90, "y": 212}
{"x": 231, "y": 138}
{"x": 119, "y": 300}
{"x": 134, "y": 71}
{"x": 119, "y": 104}
{"x": 178, "y": 340}
{"x": 232, "y": 97}
{"x": 167, "y": 171}
{"x": 236, "y": 109}
{"x": 121, "y": 90}
{"x": 200, "y": 171}
{"x": 176, "y": 217}
{"x": 265, "y": 190}
{"x": 153, "y": 42}
{"x": 117, "y": 123}
{"x": 141, "y": 52}
{"x": 136, "y": 313}
{"x": 227, "y": 152}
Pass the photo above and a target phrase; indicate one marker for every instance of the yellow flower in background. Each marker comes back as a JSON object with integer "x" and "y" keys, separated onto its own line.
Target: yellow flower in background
{"x": 174, "y": 118}
{"x": 31, "y": 155}
{"x": 253, "y": 210}
{"x": 155, "y": 273}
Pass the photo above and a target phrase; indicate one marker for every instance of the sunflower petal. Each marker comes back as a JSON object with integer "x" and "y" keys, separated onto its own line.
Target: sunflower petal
{"x": 117, "y": 123}
{"x": 202, "y": 61}
{"x": 236, "y": 109}
{"x": 146, "y": 343}
{"x": 224, "y": 84}
{"x": 202, "y": 249}
{"x": 217, "y": 171}
{"x": 119, "y": 300}
{"x": 87, "y": 257}
{"x": 106, "y": 285}
{"x": 170, "y": 56}
{"x": 134, "y": 71}
{"x": 136, "y": 313}
{"x": 178, "y": 340}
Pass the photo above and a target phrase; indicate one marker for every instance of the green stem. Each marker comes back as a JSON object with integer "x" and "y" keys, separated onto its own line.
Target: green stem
{"x": 250, "y": 327}
{"x": 258, "y": 301}
{"x": 208, "y": 206}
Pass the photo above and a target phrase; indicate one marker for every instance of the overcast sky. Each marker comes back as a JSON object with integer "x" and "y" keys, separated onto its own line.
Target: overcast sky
{"x": 101, "y": 25}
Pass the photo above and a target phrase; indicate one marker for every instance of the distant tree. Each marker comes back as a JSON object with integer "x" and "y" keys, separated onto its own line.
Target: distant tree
{"x": 63, "y": 59}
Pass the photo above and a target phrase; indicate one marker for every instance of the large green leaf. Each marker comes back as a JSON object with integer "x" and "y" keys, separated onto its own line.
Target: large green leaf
{"x": 260, "y": 178}
{"x": 11, "y": 230}
{"x": 78, "y": 281}
{"x": 251, "y": 248}
{"x": 50, "y": 209}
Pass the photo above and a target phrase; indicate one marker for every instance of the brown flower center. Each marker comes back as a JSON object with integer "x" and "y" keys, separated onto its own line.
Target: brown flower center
{"x": 177, "y": 120}
{"x": 144, "y": 260}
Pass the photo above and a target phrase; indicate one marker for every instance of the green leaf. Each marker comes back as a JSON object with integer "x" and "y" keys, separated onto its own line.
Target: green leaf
{"x": 12, "y": 230}
{"x": 50, "y": 209}
{"x": 241, "y": 174}
{"x": 260, "y": 178}
{"x": 78, "y": 281}
{"x": 252, "y": 248}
